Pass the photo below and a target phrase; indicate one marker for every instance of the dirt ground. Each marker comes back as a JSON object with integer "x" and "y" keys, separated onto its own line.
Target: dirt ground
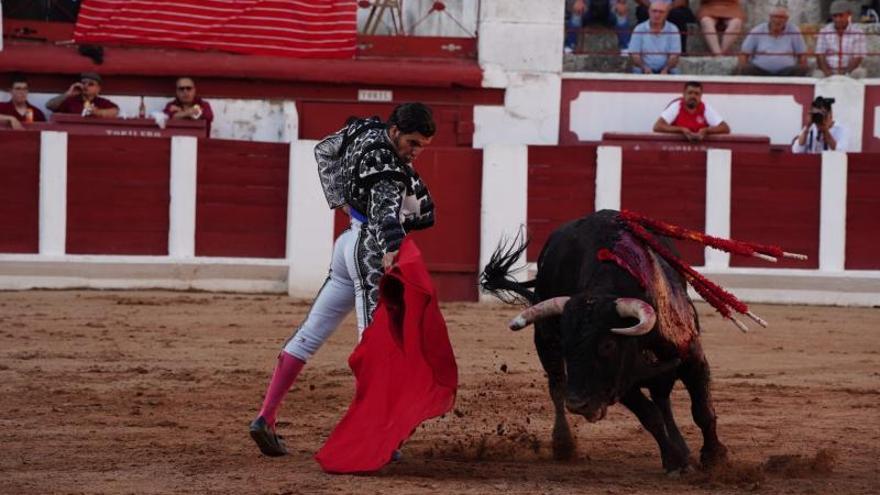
{"x": 152, "y": 392}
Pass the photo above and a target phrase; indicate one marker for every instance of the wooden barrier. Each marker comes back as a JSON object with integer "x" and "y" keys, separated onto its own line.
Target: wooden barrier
{"x": 670, "y": 187}
{"x": 863, "y": 212}
{"x": 19, "y": 192}
{"x": 678, "y": 143}
{"x": 241, "y": 199}
{"x": 117, "y": 195}
{"x": 144, "y": 128}
{"x": 562, "y": 186}
{"x": 775, "y": 200}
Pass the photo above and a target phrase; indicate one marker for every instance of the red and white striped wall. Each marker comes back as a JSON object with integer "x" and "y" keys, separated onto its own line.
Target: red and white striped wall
{"x": 187, "y": 213}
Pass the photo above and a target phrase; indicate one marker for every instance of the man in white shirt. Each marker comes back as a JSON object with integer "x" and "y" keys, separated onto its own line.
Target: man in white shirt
{"x": 821, "y": 133}
{"x": 841, "y": 45}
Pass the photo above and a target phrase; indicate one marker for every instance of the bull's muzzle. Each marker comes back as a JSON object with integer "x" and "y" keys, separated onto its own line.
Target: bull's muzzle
{"x": 590, "y": 410}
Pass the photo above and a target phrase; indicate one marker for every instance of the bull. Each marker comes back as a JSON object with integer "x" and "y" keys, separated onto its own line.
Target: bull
{"x": 612, "y": 318}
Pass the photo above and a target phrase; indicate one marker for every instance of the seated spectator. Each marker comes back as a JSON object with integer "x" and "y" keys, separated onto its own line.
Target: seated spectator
{"x": 655, "y": 45}
{"x": 725, "y": 16}
{"x": 821, "y": 132}
{"x": 690, "y": 117}
{"x": 680, "y": 14}
{"x": 841, "y": 45}
{"x": 18, "y": 110}
{"x": 187, "y": 105}
{"x": 774, "y": 48}
{"x": 83, "y": 98}
{"x": 611, "y": 13}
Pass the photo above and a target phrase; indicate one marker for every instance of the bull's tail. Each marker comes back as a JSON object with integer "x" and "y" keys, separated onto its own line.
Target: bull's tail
{"x": 497, "y": 277}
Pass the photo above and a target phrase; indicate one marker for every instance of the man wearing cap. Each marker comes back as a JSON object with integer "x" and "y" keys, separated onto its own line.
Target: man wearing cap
{"x": 841, "y": 45}
{"x": 774, "y": 48}
{"x": 82, "y": 98}
{"x": 18, "y": 109}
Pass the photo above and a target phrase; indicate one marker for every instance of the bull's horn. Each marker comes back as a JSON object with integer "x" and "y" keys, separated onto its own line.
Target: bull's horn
{"x": 635, "y": 308}
{"x": 550, "y": 307}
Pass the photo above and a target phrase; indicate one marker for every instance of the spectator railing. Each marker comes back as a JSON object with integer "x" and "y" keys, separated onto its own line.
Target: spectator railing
{"x": 810, "y": 33}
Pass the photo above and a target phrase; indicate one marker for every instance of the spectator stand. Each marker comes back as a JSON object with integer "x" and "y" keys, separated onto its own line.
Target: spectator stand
{"x": 597, "y": 49}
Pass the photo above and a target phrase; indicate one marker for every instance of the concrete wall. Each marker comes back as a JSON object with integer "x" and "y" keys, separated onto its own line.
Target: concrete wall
{"x": 520, "y": 50}
{"x": 764, "y": 106}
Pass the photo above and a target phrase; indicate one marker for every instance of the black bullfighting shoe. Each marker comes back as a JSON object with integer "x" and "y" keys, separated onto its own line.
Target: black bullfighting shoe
{"x": 269, "y": 442}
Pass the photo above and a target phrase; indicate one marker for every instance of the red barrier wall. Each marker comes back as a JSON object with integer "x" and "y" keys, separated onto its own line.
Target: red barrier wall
{"x": 19, "y": 192}
{"x": 451, "y": 247}
{"x": 863, "y": 212}
{"x": 241, "y": 199}
{"x": 117, "y": 195}
{"x": 562, "y": 187}
{"x": 668, "y": 186}
{"x": 455, "y": 123}
{"x": 775, "y": 200}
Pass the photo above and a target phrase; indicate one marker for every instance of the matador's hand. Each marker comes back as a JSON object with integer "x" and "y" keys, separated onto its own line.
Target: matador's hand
{"x": 388, "y": 259}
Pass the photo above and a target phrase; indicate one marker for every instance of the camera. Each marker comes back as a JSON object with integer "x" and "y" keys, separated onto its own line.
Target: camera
{"x": 820, "y": 108}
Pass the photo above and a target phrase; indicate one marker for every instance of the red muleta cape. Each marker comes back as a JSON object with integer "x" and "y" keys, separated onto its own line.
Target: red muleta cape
{"x": 404, "y": 369}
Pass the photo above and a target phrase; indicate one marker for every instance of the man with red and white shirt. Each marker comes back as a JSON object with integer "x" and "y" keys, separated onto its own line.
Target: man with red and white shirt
{"x": 841, "y": 45}
{"x": 690, "y": 117}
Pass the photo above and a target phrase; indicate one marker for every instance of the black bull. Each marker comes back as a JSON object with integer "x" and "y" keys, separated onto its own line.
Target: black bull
{"x": 611, "y": 319}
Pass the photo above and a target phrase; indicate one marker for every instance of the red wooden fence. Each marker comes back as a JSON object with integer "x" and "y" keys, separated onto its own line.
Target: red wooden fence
{"x": 863, "y": 212}
{"x": 562, "y": 187}
{"x": 118, "y": 195}
{"x": 455, "y": 123}
{"x": 668, "y": 186}
{"x": 241, "y": 199}
{"x": 775, "y": 200}
{"x": 19, "y": 192}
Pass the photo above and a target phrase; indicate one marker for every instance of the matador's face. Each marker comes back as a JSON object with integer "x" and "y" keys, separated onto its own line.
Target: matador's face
{"x": 408, "y": 145}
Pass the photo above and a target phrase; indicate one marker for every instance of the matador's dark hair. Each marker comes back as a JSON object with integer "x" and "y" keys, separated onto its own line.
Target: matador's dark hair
{"x": 413, "y": 117}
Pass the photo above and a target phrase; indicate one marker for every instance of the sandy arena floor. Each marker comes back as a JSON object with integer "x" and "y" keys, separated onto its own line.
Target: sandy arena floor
{"x": 151, "y": 392}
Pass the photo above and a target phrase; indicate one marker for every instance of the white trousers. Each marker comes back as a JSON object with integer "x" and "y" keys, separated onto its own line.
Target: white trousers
{"x": 342, "y": 291}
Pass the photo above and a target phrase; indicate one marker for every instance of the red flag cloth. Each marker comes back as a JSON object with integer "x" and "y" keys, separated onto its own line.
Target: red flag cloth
{"x": 404, "y": 367}
{"x": 295, "y": 28}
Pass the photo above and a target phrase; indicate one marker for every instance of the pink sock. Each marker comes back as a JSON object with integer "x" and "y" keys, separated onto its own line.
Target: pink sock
{"x": 282, "y": 379}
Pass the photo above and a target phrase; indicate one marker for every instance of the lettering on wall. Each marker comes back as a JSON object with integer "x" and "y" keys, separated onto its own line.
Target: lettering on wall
{"x": 381, "y": 95}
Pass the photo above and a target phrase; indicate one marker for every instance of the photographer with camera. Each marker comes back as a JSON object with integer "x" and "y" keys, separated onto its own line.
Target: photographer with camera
{"x": 821, "y": 132}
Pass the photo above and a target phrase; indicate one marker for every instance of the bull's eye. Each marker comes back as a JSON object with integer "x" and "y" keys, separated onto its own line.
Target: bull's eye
{"x": 607, "y": 348}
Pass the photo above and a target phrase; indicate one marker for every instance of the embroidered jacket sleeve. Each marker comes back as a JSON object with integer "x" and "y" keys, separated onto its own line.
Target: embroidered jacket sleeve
{"x": 383, "y": 175}
{"x": 386, "y": 198}
{"x": 331, "y": 175}
{"x": 417, "y": 212}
